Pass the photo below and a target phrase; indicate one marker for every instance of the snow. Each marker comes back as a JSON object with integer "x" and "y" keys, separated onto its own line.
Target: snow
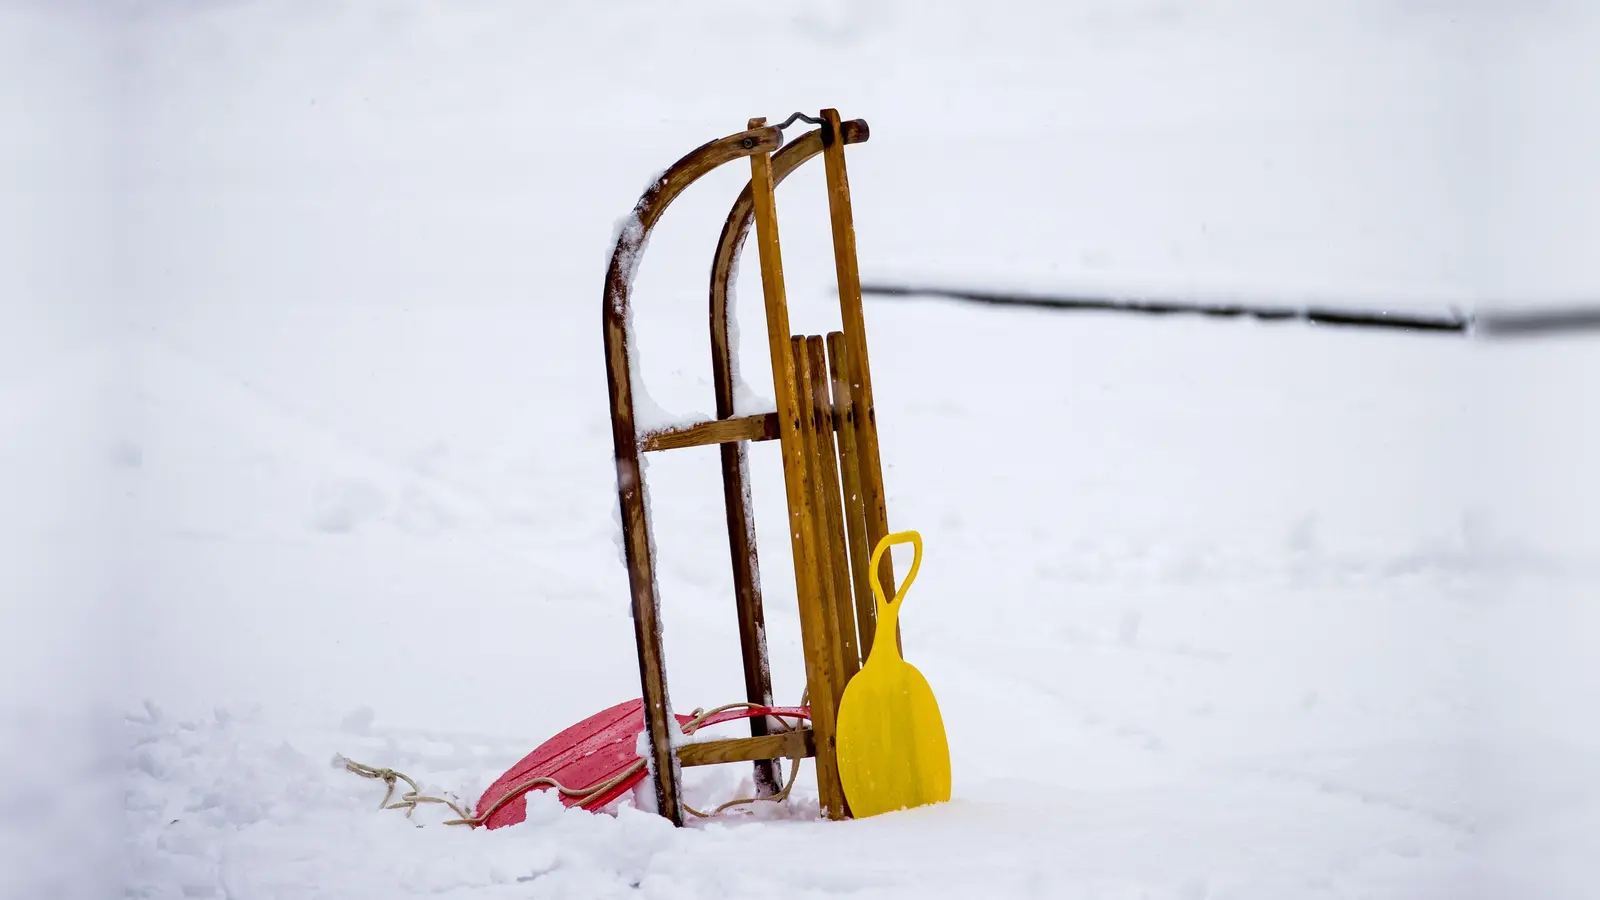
{"x": 305, "y": 449}
{"x": 648, "y": 415}
{"x": 747, "y": 401}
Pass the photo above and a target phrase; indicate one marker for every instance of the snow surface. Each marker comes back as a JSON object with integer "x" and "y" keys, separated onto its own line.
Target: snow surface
{"x": 306, "y": 450}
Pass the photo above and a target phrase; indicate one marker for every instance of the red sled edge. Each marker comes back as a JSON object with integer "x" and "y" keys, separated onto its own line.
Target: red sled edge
{"x": 592, "y": 751}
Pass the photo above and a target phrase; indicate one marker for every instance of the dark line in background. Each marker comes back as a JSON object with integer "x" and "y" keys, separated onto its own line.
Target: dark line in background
{"x": 1488, "y": 324}
{"x": 1558, "y": 320}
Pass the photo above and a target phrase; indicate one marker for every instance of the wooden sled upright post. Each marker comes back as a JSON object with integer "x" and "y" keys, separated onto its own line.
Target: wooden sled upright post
{"x": 827, "y": 432}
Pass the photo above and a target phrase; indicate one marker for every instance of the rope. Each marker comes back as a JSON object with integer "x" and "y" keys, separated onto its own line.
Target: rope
{"x": 794, "y": 766}
{"x": 779, "y": 797}
{"x": 410, "y": 800}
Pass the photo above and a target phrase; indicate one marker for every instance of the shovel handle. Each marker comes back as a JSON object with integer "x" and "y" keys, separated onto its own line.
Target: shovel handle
{"x": 892, "y": 607}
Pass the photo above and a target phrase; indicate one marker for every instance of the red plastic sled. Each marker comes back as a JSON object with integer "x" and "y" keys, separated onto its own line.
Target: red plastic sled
{"x": 591, "y": 752}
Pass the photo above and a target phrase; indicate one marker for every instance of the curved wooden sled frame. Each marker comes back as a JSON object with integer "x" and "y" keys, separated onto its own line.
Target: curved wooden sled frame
{"x": 803, "y": 374}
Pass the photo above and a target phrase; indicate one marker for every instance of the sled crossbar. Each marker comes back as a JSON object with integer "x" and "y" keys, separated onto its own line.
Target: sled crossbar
{"x": 827, "y": 432}
{"x": 718, "y": 431}
{"x": 797, "y": 744}
{"x": 759, "y": 427}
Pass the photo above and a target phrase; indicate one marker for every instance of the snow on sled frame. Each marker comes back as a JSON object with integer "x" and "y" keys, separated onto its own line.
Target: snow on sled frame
{"x": 827, "y": 432}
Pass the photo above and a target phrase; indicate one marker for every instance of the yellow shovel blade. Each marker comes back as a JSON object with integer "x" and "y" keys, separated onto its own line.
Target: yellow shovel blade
{"x": 890, "y": 739}
{"x": 891, "y": 742}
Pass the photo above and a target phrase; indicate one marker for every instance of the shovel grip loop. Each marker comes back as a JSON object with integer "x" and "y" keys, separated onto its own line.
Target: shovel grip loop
{"x": 889, "y": 540}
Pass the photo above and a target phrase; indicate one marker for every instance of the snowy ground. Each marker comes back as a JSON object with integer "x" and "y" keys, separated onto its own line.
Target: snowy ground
{"x": 315, "y": 460}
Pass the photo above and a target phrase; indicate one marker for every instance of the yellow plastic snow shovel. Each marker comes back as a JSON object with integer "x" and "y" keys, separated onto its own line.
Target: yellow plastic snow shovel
{"x": 891, "y": 743}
